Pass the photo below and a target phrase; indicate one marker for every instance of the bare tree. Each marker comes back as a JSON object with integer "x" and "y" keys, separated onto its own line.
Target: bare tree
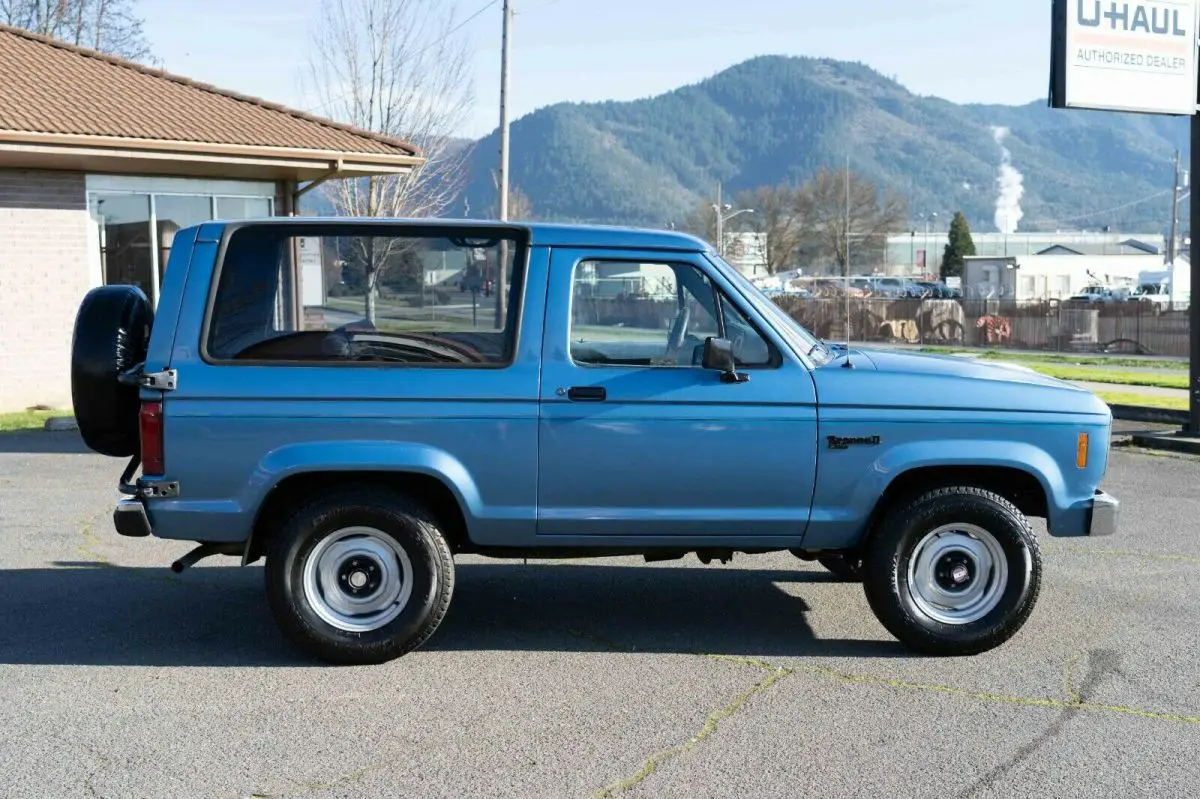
{"x": 395, "y": 67}
{"x": 109, "y": 26}
{"x": 702, "y": 222}
{"x": 859, "y": 233}
{"x": 784, "y": 215}
{"x": 519, "y": 205}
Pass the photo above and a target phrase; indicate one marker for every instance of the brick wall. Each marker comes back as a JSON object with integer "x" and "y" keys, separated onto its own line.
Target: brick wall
{"x": 44, "y": 273}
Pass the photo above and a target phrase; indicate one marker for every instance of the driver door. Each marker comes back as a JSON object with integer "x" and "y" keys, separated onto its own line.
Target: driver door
{"x": 636, "y": 439}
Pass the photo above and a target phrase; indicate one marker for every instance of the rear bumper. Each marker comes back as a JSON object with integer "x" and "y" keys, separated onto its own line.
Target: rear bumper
{"x": 130, "y": 519}
{"x": 1102, "y": 515}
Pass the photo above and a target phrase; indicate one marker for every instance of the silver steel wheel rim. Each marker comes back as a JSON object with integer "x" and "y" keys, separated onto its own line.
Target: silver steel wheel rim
{"x": 357, "y": 579}
{"x": 957, "y": 574}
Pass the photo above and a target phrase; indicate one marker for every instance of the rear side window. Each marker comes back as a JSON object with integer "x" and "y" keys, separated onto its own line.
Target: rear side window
{"x": 367, "y": 294}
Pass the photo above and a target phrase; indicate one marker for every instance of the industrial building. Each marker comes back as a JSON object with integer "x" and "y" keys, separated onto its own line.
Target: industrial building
{"x": 918, "y": 252}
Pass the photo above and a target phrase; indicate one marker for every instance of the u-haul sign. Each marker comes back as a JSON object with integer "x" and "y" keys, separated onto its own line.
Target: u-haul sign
{"x": 1125, "y": 56}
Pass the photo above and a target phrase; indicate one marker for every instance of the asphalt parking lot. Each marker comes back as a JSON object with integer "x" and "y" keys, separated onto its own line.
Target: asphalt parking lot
{"x": 765, "y": 677}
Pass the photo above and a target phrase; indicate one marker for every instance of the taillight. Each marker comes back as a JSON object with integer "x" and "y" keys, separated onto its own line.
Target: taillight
{"x": 150, "y": 428}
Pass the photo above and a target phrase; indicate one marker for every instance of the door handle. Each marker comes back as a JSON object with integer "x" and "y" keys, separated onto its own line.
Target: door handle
{"x": 587, "y": 394}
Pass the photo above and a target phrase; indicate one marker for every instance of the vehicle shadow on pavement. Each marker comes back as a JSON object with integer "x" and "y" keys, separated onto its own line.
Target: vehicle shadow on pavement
{"x": 716, "y": 610}
{"x": 94, "y": 614}
{"x": 43, "y": 443}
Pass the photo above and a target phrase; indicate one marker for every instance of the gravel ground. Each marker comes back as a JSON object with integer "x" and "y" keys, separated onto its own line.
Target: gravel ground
{"x": 766, "y": 677}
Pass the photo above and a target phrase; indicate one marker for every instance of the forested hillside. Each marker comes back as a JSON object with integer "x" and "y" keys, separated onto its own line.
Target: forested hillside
{"x": 779, "y": 119}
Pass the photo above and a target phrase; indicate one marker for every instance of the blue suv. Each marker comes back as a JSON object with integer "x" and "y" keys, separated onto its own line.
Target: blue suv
{"x": 336, "y": 398}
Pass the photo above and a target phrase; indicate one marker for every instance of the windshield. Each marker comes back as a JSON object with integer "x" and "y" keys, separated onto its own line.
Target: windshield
{"x": 797, "y": 336}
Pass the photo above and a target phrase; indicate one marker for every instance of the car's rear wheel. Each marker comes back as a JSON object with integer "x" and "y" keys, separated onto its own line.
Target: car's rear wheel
{"x": 112, "y": 330}
{"x": 955, "y": 572}
{"x": 359, "y": 576}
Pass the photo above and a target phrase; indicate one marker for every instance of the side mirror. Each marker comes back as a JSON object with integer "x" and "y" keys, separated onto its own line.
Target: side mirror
{"x": 718, "y": 356}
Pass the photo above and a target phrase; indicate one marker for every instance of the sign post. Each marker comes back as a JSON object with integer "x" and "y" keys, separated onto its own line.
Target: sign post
{"x": 1138, "y": 57}
{"x": 1193, "y": 424}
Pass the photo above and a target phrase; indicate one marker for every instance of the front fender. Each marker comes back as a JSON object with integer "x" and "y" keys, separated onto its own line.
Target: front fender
{"x": 1023, "y": 456}
{"x": 847, "y": 492}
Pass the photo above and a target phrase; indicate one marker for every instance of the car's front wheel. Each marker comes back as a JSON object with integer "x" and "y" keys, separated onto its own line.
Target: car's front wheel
{"x": 955, "y": 572}
{"x": 359, "y": 576}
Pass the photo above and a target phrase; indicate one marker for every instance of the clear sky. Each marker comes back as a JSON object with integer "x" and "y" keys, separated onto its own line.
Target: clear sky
{"x": 964, "y": 50}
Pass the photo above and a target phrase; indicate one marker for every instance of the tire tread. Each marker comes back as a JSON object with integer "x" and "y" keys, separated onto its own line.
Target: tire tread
{"x": 882, "y": 568}
{"x": 311, "y": 514}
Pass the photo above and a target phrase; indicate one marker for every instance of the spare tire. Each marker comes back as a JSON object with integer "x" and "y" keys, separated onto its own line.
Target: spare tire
{"x": 112, "y": 330}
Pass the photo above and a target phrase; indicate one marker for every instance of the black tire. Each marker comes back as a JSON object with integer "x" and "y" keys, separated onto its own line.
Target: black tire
{"x": 889, "y": 554}
{"x": 848, "y": 568}
{"x": 112, "y": 330}
{"x": 399, "y": 519}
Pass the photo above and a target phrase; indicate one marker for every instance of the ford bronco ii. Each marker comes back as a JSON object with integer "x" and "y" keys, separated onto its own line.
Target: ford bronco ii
{"x": 342, "y": 399}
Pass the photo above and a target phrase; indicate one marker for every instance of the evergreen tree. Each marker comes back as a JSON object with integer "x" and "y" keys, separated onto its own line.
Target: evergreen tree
{"x": 960, "y": 246}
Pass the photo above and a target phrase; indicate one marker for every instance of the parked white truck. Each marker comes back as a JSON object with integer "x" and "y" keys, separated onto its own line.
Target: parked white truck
{"x": 1155, "y": 287}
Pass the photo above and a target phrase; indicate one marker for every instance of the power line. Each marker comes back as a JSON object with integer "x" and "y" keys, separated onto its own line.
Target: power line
{"x": 459, "y": 26}
{"x": 1154, "y": 196}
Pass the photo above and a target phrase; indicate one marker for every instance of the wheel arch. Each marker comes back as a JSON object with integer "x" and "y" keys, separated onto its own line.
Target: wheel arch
{"x": 431, "y": 490}
{"x": 1020, "y": 486}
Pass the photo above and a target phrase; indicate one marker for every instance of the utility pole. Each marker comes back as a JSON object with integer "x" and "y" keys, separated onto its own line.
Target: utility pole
{"x": 502, "y": 265}
{"x": 1174, "y": 213}
{"x": 1193, "y": 425}
{"x": 847, "y": 286}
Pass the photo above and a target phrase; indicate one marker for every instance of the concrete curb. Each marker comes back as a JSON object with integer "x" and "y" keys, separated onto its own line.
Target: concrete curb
{"x": 1138, "y": 413}
{"x": 60, "y": 424}
{"x": 1170, "y": 442}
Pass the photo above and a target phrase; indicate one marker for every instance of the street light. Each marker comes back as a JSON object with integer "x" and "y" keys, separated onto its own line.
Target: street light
{"x": 928, "y": 218}
{"x": 722, "y": 218}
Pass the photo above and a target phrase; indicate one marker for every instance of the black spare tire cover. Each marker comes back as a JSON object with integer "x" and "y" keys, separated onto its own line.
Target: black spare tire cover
{"x": 112, "y": 330}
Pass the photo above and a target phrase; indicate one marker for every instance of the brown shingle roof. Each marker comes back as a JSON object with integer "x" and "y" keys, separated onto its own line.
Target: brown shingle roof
{"x": 51, "y": 87}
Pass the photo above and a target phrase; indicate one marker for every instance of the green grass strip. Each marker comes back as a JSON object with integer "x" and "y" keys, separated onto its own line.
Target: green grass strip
{"x": 26, "y": 420}
{"x": 1116, "y": 378}
{"x": 1143, "y": 400}
{"x": 1113, "y": 362}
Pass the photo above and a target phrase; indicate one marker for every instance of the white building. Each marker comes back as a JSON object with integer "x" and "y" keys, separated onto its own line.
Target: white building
{"x": 1051, "y": 276}
{"x": 918, "y": 252}
{"x": 747, "y": 253}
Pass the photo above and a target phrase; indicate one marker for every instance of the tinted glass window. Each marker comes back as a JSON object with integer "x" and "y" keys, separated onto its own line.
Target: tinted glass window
{"x": 335, "y": 294}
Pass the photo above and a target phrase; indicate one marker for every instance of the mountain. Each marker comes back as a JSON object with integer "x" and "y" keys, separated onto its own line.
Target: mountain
{"x": 775, "y": 118}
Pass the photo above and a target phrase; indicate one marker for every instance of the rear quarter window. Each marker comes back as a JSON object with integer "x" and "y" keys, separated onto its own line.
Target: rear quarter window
{"x": 368, "y": 294}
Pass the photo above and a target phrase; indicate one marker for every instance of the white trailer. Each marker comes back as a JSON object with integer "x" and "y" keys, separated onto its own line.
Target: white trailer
{"x": 1169, "y": 288}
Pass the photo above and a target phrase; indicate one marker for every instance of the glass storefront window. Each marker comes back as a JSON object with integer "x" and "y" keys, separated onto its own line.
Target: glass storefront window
{"x": 243, "y": 207}
{"x": 130, "y": 250}
{"x": 123, "y": 221}
{"x": 173, "y": 213}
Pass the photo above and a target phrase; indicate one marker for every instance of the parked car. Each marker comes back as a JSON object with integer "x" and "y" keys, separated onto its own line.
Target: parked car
{"x": 359, "y": 453}
{"x": 941, "y": 291}
{"x": 924, "y": 289}
{"x": 891, "y": 286}
{"x": 1100, "y": 294}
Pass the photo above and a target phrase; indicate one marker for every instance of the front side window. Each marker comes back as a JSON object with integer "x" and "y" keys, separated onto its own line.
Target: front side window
{"x": 654, "y": 314}
{"x": 367, "y": 294}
